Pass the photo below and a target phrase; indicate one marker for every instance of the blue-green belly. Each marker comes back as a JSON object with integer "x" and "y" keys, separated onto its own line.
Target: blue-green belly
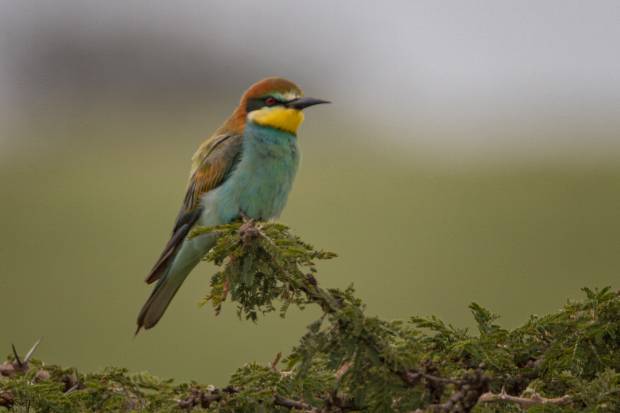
{"x": 260, "y": 184}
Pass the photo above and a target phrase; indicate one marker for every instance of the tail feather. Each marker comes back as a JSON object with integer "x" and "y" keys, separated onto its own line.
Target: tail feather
{"x": 158, "y": 302}
{"x": 178, "y": 268}
{"x": 164, "y": 291}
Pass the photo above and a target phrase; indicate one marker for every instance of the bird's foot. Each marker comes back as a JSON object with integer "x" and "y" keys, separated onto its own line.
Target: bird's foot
{"x": 245, "y": 218}
{"x": 248, "y": 230}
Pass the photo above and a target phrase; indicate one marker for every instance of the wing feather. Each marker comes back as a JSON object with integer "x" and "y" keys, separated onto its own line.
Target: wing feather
{"x": 213, "y": 163}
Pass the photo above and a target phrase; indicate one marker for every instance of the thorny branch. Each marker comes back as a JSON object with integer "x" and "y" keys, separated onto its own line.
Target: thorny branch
{"x": 250, "y": 230}
{"x": 348, "y": 361}
{"x": 197, "y": 397}
{"x": 10, "y": 368}
{"x": 16, "y": 367}
{"x": 524, "y": 402}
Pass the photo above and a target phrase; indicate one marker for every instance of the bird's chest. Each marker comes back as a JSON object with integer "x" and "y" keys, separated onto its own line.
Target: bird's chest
{"x": 266, "y": 179}
{"x": 262, "y": 180}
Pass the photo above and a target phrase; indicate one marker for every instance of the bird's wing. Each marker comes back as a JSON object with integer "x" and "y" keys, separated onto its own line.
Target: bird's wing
{"x": 213, "y": 163}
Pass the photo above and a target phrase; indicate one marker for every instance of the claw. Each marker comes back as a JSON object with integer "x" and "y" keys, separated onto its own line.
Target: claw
{"x": 246, "y": 219}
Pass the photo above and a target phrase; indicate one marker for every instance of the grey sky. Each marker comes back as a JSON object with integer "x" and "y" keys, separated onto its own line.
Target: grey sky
{"x": 457, "y": 70}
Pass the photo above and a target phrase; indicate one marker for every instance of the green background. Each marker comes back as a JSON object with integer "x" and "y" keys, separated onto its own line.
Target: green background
{"x": 84, "y": 219}
{"x": 471, "y": 153}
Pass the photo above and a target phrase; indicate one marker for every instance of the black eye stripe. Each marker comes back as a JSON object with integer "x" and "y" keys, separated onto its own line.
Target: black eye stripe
{"x": 254, "y": 104}
{"x": 258, "y": 103}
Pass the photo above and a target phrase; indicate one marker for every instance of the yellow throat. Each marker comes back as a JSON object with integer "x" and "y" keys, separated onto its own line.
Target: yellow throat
{"x": 278, "y": 117}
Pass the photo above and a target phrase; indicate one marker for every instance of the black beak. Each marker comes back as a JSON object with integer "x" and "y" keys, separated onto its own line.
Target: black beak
{"x": 302, "y": 103}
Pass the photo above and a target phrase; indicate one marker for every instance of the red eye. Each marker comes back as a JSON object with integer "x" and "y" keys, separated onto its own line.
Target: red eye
{"x": 270, "y": 101}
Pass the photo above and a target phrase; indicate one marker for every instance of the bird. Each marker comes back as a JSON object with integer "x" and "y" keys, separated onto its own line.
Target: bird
{"x": 245, "y": 169}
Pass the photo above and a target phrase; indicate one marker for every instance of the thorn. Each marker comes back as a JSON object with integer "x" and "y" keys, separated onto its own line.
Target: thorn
{"x": 32, "y": 350}
{"x": 274, "y": 363}
{"x": 17, "y": 359}
{"x": 73, "y": 388}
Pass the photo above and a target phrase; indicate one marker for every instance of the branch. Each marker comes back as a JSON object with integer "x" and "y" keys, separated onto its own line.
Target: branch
{"x": 6, "y": 399}
{"x": 347, "y": 360}
{"x": 250, "y": 233}
{"x": 292, "y": 404}
{"x": 9, "y": 369}
{"x": 199, "y": 397}
{"x": 535, "y": 400}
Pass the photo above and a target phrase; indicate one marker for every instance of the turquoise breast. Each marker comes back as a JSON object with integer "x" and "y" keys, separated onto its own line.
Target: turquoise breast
{"x": 260, "y": 184}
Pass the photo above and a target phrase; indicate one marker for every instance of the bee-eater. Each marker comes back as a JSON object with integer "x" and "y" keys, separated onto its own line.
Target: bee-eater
{"x": 245, "y": 169}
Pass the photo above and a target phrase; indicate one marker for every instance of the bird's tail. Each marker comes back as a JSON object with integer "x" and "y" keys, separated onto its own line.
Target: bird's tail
{"x": 170, "y": 273}
{"x": 164, "y": 291}
{"x": 160, "y": 298}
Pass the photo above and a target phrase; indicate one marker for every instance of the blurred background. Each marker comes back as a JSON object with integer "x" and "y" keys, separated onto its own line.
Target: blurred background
{"x": 471, "y": 153}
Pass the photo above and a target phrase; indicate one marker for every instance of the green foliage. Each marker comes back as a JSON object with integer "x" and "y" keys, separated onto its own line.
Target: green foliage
{"x": 49, "y": 388}
{"x": 264, "y": 263}
{"x": 568, "y": 361}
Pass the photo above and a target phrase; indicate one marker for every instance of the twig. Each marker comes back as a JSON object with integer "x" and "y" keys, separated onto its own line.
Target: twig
{"x": 202, "y": 398}
{"x": 274, "y": 363}
{"x": 534, "y": 400}
{"x": 412, "y": 377}
{"x": 6, "y": 399}
{"x": 342, "y": 370}
{"x": 73, "y": 388}
{"x": 19, "y": 365}
{"x": 472, "y": 386}
{"x": 292, "y": 404}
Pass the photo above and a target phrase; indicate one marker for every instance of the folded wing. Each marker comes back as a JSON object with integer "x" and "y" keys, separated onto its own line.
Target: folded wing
{"x": 213, "y": 163}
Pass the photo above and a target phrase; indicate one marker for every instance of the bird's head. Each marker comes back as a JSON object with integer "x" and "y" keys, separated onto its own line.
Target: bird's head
{"x": 276, "y": 103}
